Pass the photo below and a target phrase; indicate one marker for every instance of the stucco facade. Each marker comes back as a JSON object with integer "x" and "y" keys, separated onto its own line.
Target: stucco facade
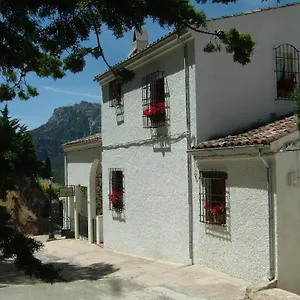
{"x": 241, "y": 248}
{"x": 288, "y": 215}
{"x": 208, "y": 95}
{"x": 156, "y": 213}
{"x": 79, "y": 165}
{"x": 82, "y": 164}
{"x": 233, "y": 95}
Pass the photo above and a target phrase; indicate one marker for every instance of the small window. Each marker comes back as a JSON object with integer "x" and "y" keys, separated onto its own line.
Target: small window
{"x": 115, "y": 97}
{"x": 116, "y": 190}
{"x": 154, "y": 100}
{"x": 287, "y": 70}
{"x": 213, "y": 204}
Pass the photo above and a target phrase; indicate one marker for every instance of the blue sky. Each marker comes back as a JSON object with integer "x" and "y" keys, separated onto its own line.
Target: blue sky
{"x": 74, "y": 88}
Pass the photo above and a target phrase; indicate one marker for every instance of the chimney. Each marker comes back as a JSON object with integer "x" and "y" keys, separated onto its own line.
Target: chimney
{"x": 140, "y": 41}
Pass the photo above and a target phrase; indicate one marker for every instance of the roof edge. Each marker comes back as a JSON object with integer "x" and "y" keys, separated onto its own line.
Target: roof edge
{"x": 221, "y": 152}
{"x": 81, "y": 146}
{"x": 157, "y": 42}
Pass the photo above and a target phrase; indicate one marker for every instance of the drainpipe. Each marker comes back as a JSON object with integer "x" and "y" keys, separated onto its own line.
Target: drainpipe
{"x": 66, "y": 168}
{"x": 189, "y": 147}
{"x": 271, "y": 218}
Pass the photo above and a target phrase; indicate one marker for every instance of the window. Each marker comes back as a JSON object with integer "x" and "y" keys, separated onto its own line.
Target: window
{"x": 287, "y": 70}
{"x": 115, "y": 98}
{"x": 116, "y": 190}
{"x": 154, "y": 100}
{"x": 213, "y": 196}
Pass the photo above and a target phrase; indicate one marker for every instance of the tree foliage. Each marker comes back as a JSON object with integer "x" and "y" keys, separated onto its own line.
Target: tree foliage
{"x": 14, "y": 245}
{"x": 296, "y": 100}
{"x": 18, "y": 160}
{"x": 48, "y": 38}
{"x": 17, "y": 153}
{"x": 46, "y": 169}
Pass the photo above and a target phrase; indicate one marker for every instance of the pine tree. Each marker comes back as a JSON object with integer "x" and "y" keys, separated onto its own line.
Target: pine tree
{"x": 48, "y": 168}
{"x": 18, "y": 160}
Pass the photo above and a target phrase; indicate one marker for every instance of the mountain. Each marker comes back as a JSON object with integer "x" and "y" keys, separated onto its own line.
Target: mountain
{"x": 66, "y": 124}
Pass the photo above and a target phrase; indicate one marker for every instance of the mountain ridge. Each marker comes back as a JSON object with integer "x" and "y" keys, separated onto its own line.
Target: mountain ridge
{"x": 67, "y": 123}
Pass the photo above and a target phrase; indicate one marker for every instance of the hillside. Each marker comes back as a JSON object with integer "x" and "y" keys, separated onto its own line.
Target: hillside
{"x": 66, "y": 124}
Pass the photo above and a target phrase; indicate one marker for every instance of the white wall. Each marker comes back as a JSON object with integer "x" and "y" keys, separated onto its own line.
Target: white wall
{"x": 288, "y": 222}
{"x": 79, "y": 167}
{"x": 156, "y": 216}
{"x": 230, "y": 95}
{"x": 242, "y": 248}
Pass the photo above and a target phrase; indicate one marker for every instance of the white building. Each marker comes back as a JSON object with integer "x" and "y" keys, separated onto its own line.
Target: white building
{"x": 175, "y": 197}
{"x": 82, "y": 171}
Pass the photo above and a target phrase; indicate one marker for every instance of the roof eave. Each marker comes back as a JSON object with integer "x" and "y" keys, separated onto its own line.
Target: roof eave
{"x": 134, "y": 61}
{"x": 81, "y": 146}
{"x": 227, "y": 152}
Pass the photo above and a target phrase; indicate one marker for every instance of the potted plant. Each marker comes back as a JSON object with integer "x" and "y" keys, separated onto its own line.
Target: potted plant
{"x": 116, "y": 200}
{"x": 215, "y": 214}
{"x": 116, "y": 95}
{"x": 219, "y": 212}
{"x": 209, "y": 217}
{"x": 156, "y": 112}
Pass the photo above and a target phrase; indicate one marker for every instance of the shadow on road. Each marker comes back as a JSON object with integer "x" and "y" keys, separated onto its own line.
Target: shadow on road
{"x": 69, "y": 272}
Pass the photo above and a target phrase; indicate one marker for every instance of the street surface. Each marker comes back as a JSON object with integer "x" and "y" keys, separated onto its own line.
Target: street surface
{"x": 95, "y": 273}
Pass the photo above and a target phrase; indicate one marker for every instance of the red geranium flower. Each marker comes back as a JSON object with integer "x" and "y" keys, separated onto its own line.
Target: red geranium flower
{"x": 156, "y": 108}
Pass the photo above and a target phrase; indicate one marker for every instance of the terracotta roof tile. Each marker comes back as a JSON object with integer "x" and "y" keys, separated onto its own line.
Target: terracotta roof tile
{"x": 262, "y": 135}
{"x": 94, "y": 137}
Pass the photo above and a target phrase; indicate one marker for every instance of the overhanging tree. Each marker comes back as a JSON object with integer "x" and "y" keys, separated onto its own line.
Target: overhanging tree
{"x": 48, "y": 38}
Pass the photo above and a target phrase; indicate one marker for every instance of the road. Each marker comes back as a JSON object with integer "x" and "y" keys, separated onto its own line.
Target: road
{"x": 93, "y": 273}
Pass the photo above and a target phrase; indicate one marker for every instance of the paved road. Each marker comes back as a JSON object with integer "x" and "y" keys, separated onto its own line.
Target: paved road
{"x": 95, "y": 273}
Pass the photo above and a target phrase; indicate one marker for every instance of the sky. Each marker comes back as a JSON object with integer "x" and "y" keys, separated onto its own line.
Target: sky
{"x": 74, "y": 88}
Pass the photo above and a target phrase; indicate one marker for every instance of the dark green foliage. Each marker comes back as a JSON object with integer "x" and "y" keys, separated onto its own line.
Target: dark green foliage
{"x": 17, "y": 153}
{"x": 17, "y": 161}
{"x": 47, "y": 37}
{"x": 66, "y": 124}
{"x": 15, "y": 245}
{"x": 45, "y": 168}
{"x": 296, "y": 98}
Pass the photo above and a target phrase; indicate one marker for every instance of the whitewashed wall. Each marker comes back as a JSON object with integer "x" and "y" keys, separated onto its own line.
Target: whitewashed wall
{"x": 242, "y": 248}
{"x": 288, "y": 221}
{"x": 156, "y": 216}
{"x": 79, "y": 167}
{"x": 229, "y": 95}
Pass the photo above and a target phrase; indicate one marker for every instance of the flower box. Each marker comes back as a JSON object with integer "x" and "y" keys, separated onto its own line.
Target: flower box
{"x": 116, "y": 200}
{"x": 215, "y": 214}
{"x": 156, "y": 111}
{"x": 220, "y": 219}
{"x": 158, "y": 118}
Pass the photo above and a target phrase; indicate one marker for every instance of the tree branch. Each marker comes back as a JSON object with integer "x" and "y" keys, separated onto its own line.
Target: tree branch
{"x": 219, "y": 33}
{"x": 101, "y": 50}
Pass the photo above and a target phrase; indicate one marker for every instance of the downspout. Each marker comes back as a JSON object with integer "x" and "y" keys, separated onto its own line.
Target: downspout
{"x": 271, "y": 218}
{"x": 189, "y": 147}
{"x": 66, "y": 168}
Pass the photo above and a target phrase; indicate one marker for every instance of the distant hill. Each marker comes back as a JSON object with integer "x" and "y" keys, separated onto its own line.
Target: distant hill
{"x": 66, "y": 124}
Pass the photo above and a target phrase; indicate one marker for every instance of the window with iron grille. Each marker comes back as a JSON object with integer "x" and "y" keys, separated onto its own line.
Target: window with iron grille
{"x": 155, "y": 109}
{"x": 115, "y": 97}
{"x": 116, "y": 190}
{"x": 213, "y": 198}
{"x": 287, "y": 70}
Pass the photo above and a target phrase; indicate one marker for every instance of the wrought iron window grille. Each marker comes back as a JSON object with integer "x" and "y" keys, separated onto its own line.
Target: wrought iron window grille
{"x": 213, "y": 198}
{"x": 287, "y": 70}
{"x": 116, "y": 190}
{"x": 154, "y": 104}
{"x": 115, "y": 93}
